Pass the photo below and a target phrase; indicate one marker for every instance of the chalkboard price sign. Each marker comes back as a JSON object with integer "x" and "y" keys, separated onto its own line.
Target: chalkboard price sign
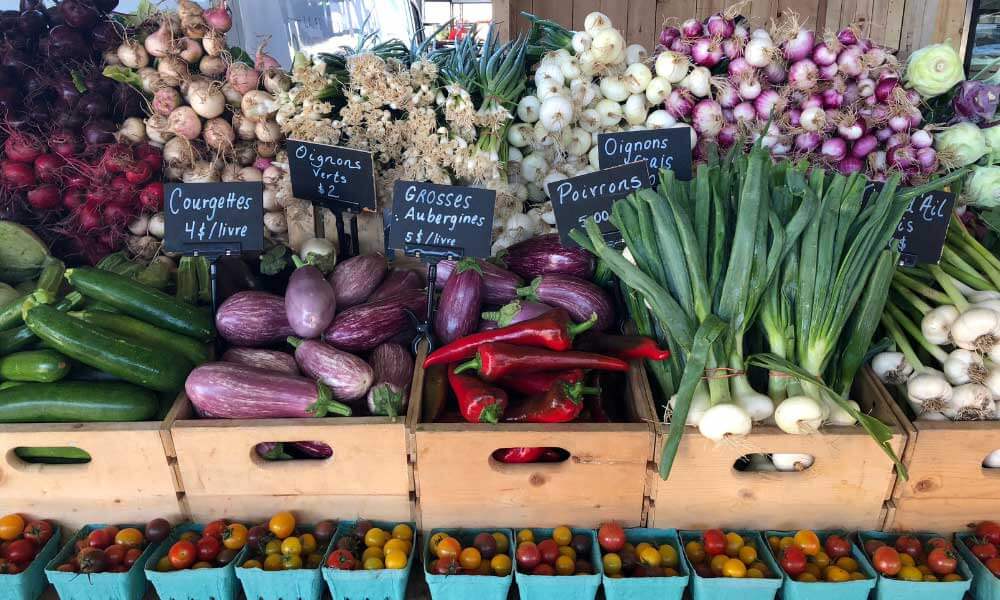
{"x": 214, "y": 218}
{"x": 922, "y": 231}
{"x": 341, "y": 179}
{"x": 662, "y": 148}
{"x": 576, "y": 199}
{"x": 437, "y": 222}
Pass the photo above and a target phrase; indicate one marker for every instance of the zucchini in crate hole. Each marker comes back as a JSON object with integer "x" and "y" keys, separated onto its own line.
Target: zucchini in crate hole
{"x": 143, "y": 302}
{"x": 42, "y": 366}
{"x": 141, "y": 332}
{"x": 55, "y": 455}
{"x": 76, "y": 401}
{"x": 156, "y": 369}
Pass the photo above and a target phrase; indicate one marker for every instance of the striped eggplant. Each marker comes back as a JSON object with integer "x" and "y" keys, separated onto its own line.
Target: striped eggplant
{"x": 271, "y": 360}
{"x": 309, "y": 301}
{"x": 347, "y": 375}
{"x": 544, "y": 255}
{"x": 356, "y": 278}
{"x": 393, "y": 366}
{"x": 222, "y": 390}
{"x": 361, "y": 328}
{"x": 253, "y": 319}
{"x": 499, "y": 284}
{"x": 398, "y": 280}
{"x": 457, "y": 313}
{"x": 512, "y": 312}
{"x": 293, "y": 450}
{"x": 579, "y": 297}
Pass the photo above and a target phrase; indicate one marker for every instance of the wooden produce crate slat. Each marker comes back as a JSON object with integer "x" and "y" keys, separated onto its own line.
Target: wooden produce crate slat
{"x": 846, "y": 487}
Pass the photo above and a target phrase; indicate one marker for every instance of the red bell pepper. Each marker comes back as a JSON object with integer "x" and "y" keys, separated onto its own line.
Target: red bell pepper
{"x": 554, "y": 455}
{"x": 495, "y": 361}
{"x": 477, "y": 401}
{"x": 539, "y": 383}
{"x": 519, "y": 456}
{"x": 553, "y": 330}
{"x": 560, "y": 404}
{"x": 625, "y": 347}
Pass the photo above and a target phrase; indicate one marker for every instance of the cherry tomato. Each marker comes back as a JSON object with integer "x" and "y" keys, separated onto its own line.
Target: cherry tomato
{"x": 66, "y": 568}
{"x": 446, "y": 566}
{"x": 938, "y": 542}
{"x": 748, "y": 554}
{"x": 273, "y": 562}
{"x": 208, "y": 548}
{"x": 131, "y": 555}
{"x": 562, "y": 535}
{"x": 942, "y": 561}
{"x": 501, "y": 565}
{"x": 22, "y": 551}
{"x": 182, "y": 555}
{"x": 282, "y": 525}
{"x": 886, "y": 561}
{"x": 528, "y": 556}
{"x": 190, "y": 536}
{"x": 129, "y": 537}
{"x": 907, "y": 544}
{"x": 39, "y": 531}
{"x": 157, "y": 530}
{"x": 470, "y": 558}
{"x": 872, "y": 545}
{"x": 695, "y": 552}
{"x": 580, "y": 543}
{"x": 235, "y": 536}
{"x": 290, "y": 562}
{"x": 115, "y": 554}
{"x": 92, "y": 560}
{"x": 449, "y": 548}
{"x": 226, "y": 556}
{"x": 993, "y": 565}
{"x": 836, "y": 547}
{"x": 376, "y": 537}
{"x": 565, "y": 565}
{"x": 525, "y": 535}
{"x": 544, "y": 569}
{"x": 987, "y": 530}
{"x": 612, "y": 563}
{"x": 486, "y": 544}
{"x": 836, "y": 574}
{"x": 793, "y": 561}
{"x": 611, "y": 537}
{"x": 734, "y": 567}
{"x": 342, "y": 560}
{"x": 100, "y": 539}
{"x": 432, "y": 544}
{"x": 911, "y": 574}
{"x": 503, "y": 544}
{"x": 324, "y": 531}
{"x": 397, "y": 560}
{"x": 308, "y": 542}
{"x": 215, "y": 528}
{"x": 649, "y": 557}
{"x": 291, "y": 546}
{"x": 714, "y": 541}
{"x": 11, "y": 527}
{"x": 734, "y": 542}
{"x": 984, "y": 551}
{"x": 549, "y": 550}
{"x": 808, "y": 541}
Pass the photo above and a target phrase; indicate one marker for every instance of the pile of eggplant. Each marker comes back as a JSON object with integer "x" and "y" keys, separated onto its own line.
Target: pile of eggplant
{"x": 334, "y": 345}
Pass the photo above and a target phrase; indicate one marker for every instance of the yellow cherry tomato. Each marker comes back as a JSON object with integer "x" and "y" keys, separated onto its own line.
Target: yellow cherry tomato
{"x": 525, "y": 535}
{"x": 952, "y": 577}
{"x": 748, "y": 554}
{"x": 282, "y": 525}
{"x": 291, "y": 562}
{"x": 930, "y": 578}
{"x": 734, "y": 542}
{"x": 235, "y": 536}
{"x": 906, "y": 560}
{"x": 398, "y": 545}
{"x": 308, "y": 543}
{"x": 376, "y": 537}
{"x": 815, "y": 570}
{"x": 432, "y": 543}
{"x": 396, "y": 560}
{"x": 202, "y": 564}
{"x": 858, "y": 576}
{"x": 718, "y": 561}
{"x": 565, "y": 565}
{"x": 253, "y": 564}
{"x": 925, "y": 569}
{"x": 562, "y": 535}
{"x": 11, "y": 527}
{"x": 847, "y": 563}
{"x": 503, "y": 544}
{"x": 470, "y": 558}
{"x": 501, "y": 565}
{"x": 822, "y": 560}
{"x": 910, "y": 573}
{"x": 272, "y": 562}
{"x": 836, "y": 574}
{"x": 567, "y": 551}
{"x": 808, "y": 541}
{"x": 649, "y": 557}
{"x": 449, "y": 548}
{"x": 130, "y": 537}
{"x": 786, "y": 543}
{"x": 640, "y": 547}
{"x": 373, "y": 552}
{"x": 695, "y": 552}
{"x": 807, "y": 578}
{"x": 273, "y": 547}
{"x": 374, "y": 564}
{"x": 402, "y": 532}
{"x": 291, "y": 546}
{"x": 735, "y": 568}
{"x": 754, "y": 574}
{"x": 612, "y": 564}
{"x": 668, "y": 556}
{"x": 775, "y": 543}
{"x": 163, "y": 565}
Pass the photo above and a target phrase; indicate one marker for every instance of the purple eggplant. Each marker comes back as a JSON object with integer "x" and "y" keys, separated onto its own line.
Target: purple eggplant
{"x": 271, "y": 360}
{"x": 513, "y": 312}
{"x": 361, "y": 328}
{"x": 222, "y": 390}
{"x": 544, "y": 255}
{"x": 393, "y": 366}
{"x": 272, "y": 451}
{"x": 309, "y": 301}
{"x": 347, "y": 376}
{"x": 398, "y": 280}
{"x": 499, "y": 284}
{"x": 356, "y": 278}
{"x": 253, "y": 319}
{"x": 457, "y": 314}
{"x": 579, "y": 297}
{"x": 309, "y": 449}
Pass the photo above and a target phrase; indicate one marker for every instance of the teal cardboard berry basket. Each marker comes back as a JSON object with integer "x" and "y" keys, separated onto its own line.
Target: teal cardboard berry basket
{"x": 894, "y": 589}
{"x": 130, "y": 585}
{"x": 218, "y": 583}
{"x": 562, "y": 587}
{"x": 384, "y": 584}
{"x": 726, "y": 588}
{"x": 985, "y": 585}
{"x": 828, "y": 590}
{"x": 639, "y": 588}
{"x": 297, "y": 584}
{"x": 29, "y": 583}
{"x": 464, "y": 587}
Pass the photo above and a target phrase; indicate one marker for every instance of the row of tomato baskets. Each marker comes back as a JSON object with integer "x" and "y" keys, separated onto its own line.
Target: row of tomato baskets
{"x": 283, "y": 558}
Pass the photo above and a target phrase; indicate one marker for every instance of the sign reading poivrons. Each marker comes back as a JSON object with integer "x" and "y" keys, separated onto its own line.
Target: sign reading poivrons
{"x": 332, "y": 176}
{"x": 668, "y": 149}
{"x": 441, "y": 221}
{"x": 577, "y": 199}
{"x": 213, "y": 217}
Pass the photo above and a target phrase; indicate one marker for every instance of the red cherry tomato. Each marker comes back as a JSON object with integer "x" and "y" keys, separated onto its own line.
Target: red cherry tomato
{"x": 793, "y": 561}
{"x": 984, "y": 551}
{"x": 528, "y": 556}
{"x": 714, "y": 541}
{"x": 938, "y": 542}
{"x": 993, "y": 565}
{"x": 886, "y": 561}
{"x": 549, "y": 551}
{"x": 100, "y": 539}
{"x": 611, "y": 537}
{"x": 989, "y": 531}
{"x": 22, "y": 552}
{"x": 837, "y": 547}
{"x": 182, "y": 555}
{"x": 39, "y": 531}
{"x": 208, "y": 548}
{"x": 115, "y": 554}
{"x": 342, "y": 560}
{"x": 872, "y": 545}
{"x": 942, "y": 561}
{"x": 907, "y": 544}
{"x": 132, "y": 555}
{"x": 215, "y": 528}
{"x": 544, "y": 569}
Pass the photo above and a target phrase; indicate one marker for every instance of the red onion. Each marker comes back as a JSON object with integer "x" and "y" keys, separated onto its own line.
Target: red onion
{"x": 744, "y": 111}
{"x": 851, "y": 94}
{"x": 679, "y": 103}
{"x": 218, "y": 18}
{"x": 812, "y": 100}
{"x": 727, "y": 114}
{"x": 915, "y": 116}
{"x": 766, "y": 103}
{"x": 803, "y": 75}
{"x": 22, "y": 148}
{"x": 719, "y": 26}
{"x": 775, "y": 72}
{"x": 834, "y": 149}
{"x": 847, "y": 36}
{"x": 727, "y": 96}
{"x": 864, "y": 146}
{"x": 850, "y": 129}
{"x": 794, "y": 117}
{"x": 832, "y": 116}
{"x": 913, "y": 97}
{"x": 692, "y": 28}
{"x": 885, "y": 87}
{"x": 866, "y": 88}
{"x": 728, "y": 135}
{"x": 899, "y": 122}
{"x": 88, "y": 217}
{"x": 739, "y": 67}
{"x": 750, "y": 88}
{"x": 813, "y": 119}
{"x": 706, "y": 118}
{"x": 47, "y": 167}
{"x": 883, "y": 134}
{"x": 668, "y": 35}
{"x": 900, "y": 138}
{"x": 832, "y": 98}
{"x": 827, "y": 72}
{"x": 800, "y": 46}
{"x": 870, "y": 100}
{"x": 808, "y": 141}
{"x": 16, "y": 174}
{"x": 902, "y": 157}
{"x": 73, "y": 198}
{"x": 921, "y": 138}
{"x": 849, "y": 61}
{"x": 680, "y": 45}
{"x": 732, "y": 48}
{"x": 928, "y": 160}
{"x": 706, "y": 52}
{"x": 850, "y": 164}
{"x": 740, "y": 32}
{"x": 823, "y": 55}
{"x": 45, "y": 197}
{"x": 875, "y": 57}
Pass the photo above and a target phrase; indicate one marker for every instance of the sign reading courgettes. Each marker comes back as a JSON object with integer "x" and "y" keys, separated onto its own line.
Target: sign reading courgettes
{"x": 213, "y": 218}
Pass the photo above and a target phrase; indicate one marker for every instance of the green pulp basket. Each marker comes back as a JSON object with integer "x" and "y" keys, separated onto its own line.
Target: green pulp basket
{"x": 130, "y": 585}
{"x": 827, "y": 590}
{"x": 191, "y": 584}
{"x": 723, "y": 588}
{"x": 463, "y": 587}
{"x": 29, "y": 583}
{"x": 639, "y": 588}
{"x": 985, "y": 585}
{"x": 385, "y": 584}
{"x": 894, "y": 589}
{"x": 300, "y": 584}
{"x": 555, "y": 587}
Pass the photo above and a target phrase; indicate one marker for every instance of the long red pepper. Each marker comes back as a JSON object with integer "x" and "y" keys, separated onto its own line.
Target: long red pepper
{"x": 554, "y": 330}
{"x": 625, "y": 347}
{"x": 478, "y": 402}
{"x": 519, "y": 456}
{"x": 562, "y": 403}
{"x": 539, "y": 383}
{"x": 495, "y": 361}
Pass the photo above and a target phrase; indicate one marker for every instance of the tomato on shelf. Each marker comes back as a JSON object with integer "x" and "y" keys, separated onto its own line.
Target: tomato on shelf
{"x": 727, "y": 554}
{"x": 655, "y": 558}
{"x": 984, "y": 544}
{"x": 22, "y": 540}
{"x": 281, "y": 544}
{"x": 213, "y": 547}
{"x": 562, "y": 552}
{"x": 110, "y": 549}
{"x": 907, "y": 558}
{"x": 370, "y": 548}
{"x": 455, "y": 553}
{"x": 808, "y": 557}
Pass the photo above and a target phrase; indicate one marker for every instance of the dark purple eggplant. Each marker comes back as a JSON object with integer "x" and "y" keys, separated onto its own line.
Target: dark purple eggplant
{"x": 513, "y": 312}
{"x": 579, "y": 297}
{"x": 253, "y": 319}
{"x": 271, "y": 360}
{"x": 347, "y": 375}
{"x": 545, "y": 255}
{"x": 224, "y": 390}
{"x": 499, "y": 284}
{"x": 309, "y": 449}
{"x": 309, "y": 301}
{"x": 356, "y": 278}
{"x": 272, "y": 451}
{"x": 396, "y": 281}
{"x": 393, "y": 366}
{"x": 457, "y": 313}
{"x": 361, "y": 328}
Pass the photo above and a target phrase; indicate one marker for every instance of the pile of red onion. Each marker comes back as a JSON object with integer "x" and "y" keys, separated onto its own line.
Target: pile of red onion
{"x": 837, "y": 101}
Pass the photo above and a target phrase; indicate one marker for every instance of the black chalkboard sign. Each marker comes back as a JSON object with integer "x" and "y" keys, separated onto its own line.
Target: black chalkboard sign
{"x": 921, "y": 233}
{"x": 576, "y": 199}
{"x": 662, "y": 148}
{"x": 436, "y": 222}
{"x": 341, "y": 179}
{"x": 214, "y": 218}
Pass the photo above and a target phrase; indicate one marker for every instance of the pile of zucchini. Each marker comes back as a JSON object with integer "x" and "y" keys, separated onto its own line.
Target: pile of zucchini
{"x": 101, "y": 344}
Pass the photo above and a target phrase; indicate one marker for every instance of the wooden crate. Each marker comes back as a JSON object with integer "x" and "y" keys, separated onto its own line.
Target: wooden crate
{"x": 128, "y": 479}
{"x": 460, "y": 485}
{"x": 948, "y": 488}
{"x": 368, "y": 476}
{"x": 846, "y": 487}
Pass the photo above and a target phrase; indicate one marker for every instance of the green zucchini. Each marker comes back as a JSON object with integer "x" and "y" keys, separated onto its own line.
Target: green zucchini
{"x": 52, "y": 455}
{"x": 143, "y": 333}
{"x": 42, "y": 366}
{"x": 50, "y": 280}
{"x": 156, "y": 369}
{"x": 187, "y": 281}
{"x": 20, "y": 338}
{"x": 76, "y": 401}
{"x": 204, "y": 271}
{"x": 143, "y": 302}
{"x": 10, "y": 314}
{"x": 156, "y": 274}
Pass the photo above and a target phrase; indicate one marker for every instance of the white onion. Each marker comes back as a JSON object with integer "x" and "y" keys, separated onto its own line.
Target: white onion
{"x": 789, "y": 462}
{"x": 660, "y": 119}
{"x": 614, "y": 88}
{"x": 637, "y": 78}
{"x": 581, "y": 42}
{"x": 635, "y": 109}
{"x": 672, "y": 66}
{"x": 556, "y": 112}
{"x": 155, "y": 225}
{"x": 799, "y": 415}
